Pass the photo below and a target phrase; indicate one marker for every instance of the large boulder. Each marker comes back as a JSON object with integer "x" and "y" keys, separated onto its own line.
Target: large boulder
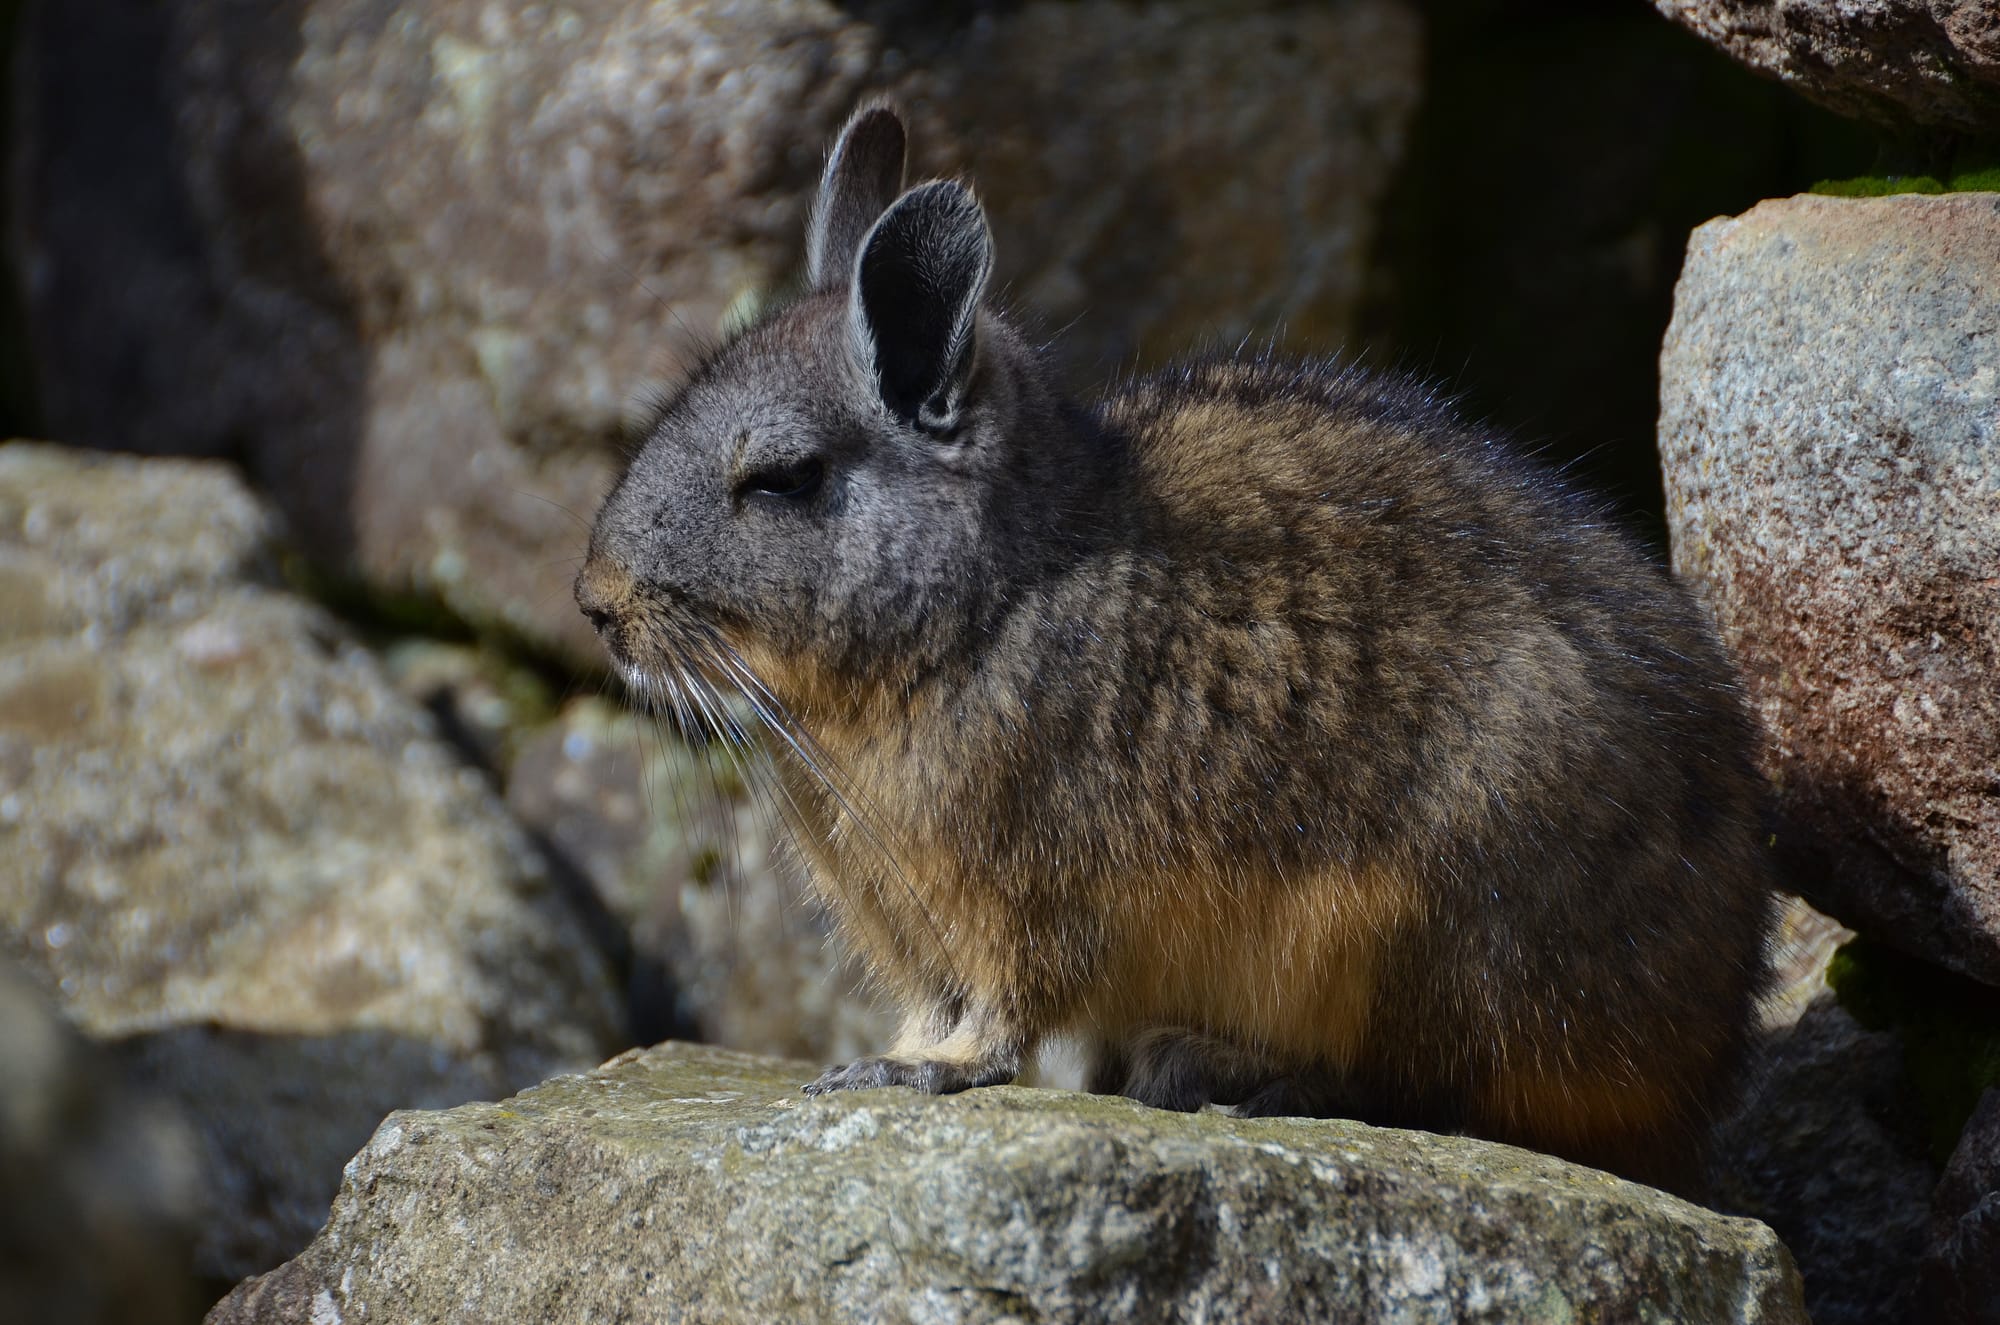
{"x": 1830, "y": 434}
{"x": 228, "y": 846}
{"x": 412, "y": 264}
{"x": 1934, "y": 63}
{"x": 694, "y": 1184}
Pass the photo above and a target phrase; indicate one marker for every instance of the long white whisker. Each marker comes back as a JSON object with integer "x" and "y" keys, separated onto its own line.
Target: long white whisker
{"x": 777, "y": 718}
{"x": 732, "y": 739}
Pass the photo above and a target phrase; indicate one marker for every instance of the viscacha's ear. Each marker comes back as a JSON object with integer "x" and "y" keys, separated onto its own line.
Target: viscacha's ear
{"x": 863, "y": 175}
{"x": 914, "y": 307}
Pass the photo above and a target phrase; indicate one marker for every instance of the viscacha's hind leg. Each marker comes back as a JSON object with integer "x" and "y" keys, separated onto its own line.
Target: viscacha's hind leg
{"x": 1108, "y": 1066}
{"x": 1308, "y": 1093}
{"x": 1174, "y": 1068}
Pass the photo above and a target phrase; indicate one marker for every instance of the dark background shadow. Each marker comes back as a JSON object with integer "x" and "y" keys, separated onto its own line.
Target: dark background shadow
{"x": 277, "y": 1117}
{"x": 1527, "y": 256}
{"x": 176, "y": 303}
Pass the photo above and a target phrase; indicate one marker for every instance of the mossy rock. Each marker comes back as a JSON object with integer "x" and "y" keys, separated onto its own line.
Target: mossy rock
{"x": 691, "y": 1184}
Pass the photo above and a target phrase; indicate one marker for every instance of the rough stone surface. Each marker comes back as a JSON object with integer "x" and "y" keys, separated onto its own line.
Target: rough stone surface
{"x": 1802, "y": 944}
{"x": 696, "y": 1185}
{"x": 684, "y": 846}
{"x": 1143, "y": 223}
{"x": 485, "y": 700}
{"x": 679, "y": 850}
{"x": 421, "y": 259}
{"x": 97, "y": 1184}
{"x": 228, "y": 844}
{"x": 1962, "y": 1270}
{"x": 1829, "y": 1145}
{"x": 1934, "y": 63}
{"x": 1830, "y": 434}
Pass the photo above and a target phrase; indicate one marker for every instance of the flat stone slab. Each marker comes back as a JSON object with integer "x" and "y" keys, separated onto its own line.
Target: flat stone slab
{"x": 693, "y": 1184}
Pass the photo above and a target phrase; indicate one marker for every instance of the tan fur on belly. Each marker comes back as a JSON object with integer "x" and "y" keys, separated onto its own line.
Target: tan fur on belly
{"x": 1288, "y": 968}
{"x": 1638, "y": 1125}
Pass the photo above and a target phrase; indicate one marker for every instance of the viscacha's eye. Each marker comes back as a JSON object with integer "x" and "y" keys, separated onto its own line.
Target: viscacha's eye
{"x": 794, "y": 480}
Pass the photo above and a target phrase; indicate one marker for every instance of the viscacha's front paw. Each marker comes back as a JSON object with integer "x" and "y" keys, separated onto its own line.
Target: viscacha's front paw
{"x": 930, "y": 1075}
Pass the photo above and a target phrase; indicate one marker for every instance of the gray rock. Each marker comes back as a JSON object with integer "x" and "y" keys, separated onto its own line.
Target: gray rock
{"x": 228, "y": 844}
{"x": 1828, "y": 1146}
{"x": 1962, "y": 1269}
{"x": 1830, "y": 434}
{"x": 422, "y": 257}
{"x": 1934, "y": 63}
{"x": 487, "y": 701}
{"x": 686, "y": 850}
{"x": 1177, "y": 174}
{"x": 97, "y": 1182}
{"x": 1802, "y": 944}
{"x": 1829, "y": 1150}
{"x": 691, "y": 1184}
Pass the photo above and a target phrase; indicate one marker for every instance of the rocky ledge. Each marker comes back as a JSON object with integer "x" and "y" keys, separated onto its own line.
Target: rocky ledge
{"x": 692, "y": 1184}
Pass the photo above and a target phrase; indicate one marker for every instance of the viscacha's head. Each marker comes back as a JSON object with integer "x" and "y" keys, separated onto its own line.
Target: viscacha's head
{"x": 836, "y": 494}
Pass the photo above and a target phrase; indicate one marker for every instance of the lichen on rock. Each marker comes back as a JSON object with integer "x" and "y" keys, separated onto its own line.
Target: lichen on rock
{"x": 691, "y": 1184}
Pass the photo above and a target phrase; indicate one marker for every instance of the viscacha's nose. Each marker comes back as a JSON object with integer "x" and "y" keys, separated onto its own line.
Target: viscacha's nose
{"x": 603, "y": 591}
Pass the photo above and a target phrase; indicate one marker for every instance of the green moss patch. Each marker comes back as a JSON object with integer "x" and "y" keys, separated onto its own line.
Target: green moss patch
{"x": 1878, "y": 186}
{"x": 1976, "y": 181}
{"x": 1986, "y": 180}
{"x": 374, "y": 609}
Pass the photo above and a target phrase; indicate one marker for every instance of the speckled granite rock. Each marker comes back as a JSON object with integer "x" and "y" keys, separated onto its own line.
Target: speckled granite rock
{"x": 692, "y": 1184}
{"x": 228, "y": 845}
{"x": 1830, "y": 433}
{"x": 1934, "y": 63}
{"x": 420, "y": 257}
{"x": 97, "y": 1184}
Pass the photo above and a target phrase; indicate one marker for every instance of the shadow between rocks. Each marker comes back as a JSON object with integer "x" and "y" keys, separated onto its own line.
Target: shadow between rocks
{"x": 176, "y": 297}
{"x": 277, "y": 1117}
